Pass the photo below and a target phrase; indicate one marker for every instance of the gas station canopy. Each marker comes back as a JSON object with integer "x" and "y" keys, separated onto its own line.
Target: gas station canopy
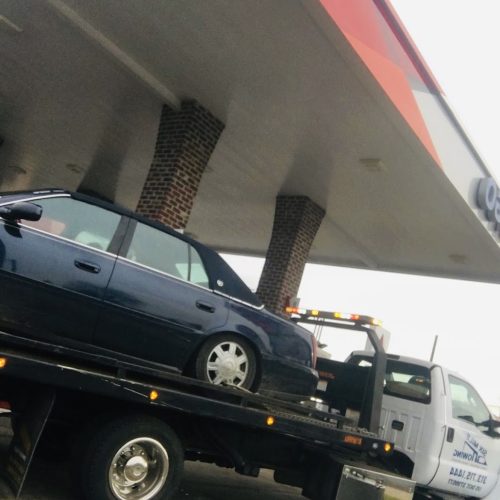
{"x": 327, "y": 99}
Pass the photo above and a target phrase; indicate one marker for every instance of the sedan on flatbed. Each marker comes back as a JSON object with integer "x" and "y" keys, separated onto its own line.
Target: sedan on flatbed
{"x": 81, "y": 272}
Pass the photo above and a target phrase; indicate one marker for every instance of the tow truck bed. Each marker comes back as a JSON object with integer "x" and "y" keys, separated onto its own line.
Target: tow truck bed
{"x": 48, "y": 372}
{"x": 32, "y": 361}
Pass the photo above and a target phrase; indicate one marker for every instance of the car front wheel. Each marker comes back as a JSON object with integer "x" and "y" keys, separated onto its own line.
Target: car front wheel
{"x": 227, "y": 360}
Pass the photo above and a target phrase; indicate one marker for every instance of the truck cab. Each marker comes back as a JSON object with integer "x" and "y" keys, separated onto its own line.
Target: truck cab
{"x": 444, "y": 434}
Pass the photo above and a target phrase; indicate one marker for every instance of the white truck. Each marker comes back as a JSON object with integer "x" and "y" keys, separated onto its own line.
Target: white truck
{"x": 443, "y": 432}
{"x": 445, "y": 437}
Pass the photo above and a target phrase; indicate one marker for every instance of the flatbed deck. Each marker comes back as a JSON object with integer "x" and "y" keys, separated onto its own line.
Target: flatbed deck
{"x": 270, "y": 429}
{"x": 63, "y": 367}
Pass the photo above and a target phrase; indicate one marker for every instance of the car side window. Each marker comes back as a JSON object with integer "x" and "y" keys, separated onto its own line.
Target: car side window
{"x": 197, "y": 273}
{"x": 166, "y": 253}
{"x": 76, "y": 220}
{"x": 466, "y": 403}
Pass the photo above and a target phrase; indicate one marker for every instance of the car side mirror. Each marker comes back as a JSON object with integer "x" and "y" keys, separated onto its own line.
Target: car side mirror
{"x": 21, "y": 210}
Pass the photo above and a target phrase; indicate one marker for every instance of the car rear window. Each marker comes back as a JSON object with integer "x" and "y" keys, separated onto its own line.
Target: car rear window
{"x": 166, "y": 253}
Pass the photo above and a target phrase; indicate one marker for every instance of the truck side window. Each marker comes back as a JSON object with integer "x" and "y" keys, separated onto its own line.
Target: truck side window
{"x": 467, "y": 404}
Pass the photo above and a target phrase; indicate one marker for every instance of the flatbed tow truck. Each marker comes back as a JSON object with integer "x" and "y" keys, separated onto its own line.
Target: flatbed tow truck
{"x": 129, "y": 425}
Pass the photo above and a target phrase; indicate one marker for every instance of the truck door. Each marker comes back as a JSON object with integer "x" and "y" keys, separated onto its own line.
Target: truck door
{"x": 470, "y": 457}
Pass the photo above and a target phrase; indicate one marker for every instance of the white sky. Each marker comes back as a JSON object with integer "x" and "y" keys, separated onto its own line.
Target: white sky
{"x": 459, "y": 40}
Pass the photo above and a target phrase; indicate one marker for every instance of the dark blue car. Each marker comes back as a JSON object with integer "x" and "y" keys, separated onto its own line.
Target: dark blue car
{"x": 84, "y": 273}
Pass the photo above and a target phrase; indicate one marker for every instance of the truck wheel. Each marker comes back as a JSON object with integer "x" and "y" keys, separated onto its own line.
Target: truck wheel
{"x": 132, "y": 458}
{"x": 227, "y": 359}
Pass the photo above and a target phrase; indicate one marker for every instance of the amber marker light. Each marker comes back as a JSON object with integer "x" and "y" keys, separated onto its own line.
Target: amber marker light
{"x": 387, "y": 447}
{"x": 355, "y": 440}
{"x": 3, "y": 362}
{"x": 153, "y": 395}
{"x": 270, "y": 421}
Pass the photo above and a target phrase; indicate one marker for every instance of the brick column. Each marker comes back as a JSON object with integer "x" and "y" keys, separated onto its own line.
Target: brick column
{"x": 296, "y": 222}
{"x": 185, "y": 142}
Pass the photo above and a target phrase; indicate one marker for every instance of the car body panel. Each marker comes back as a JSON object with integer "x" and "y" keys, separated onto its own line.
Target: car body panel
{"x": 57, "y": 297}
{"x": 274, "y": 334}
{"x": 285, "y": 349}
{"x": 153, "y": 315}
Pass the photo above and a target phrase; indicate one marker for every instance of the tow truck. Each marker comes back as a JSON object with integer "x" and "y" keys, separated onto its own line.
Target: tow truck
{"x": 445, "y": 437}
{"x": 128, "y": 426}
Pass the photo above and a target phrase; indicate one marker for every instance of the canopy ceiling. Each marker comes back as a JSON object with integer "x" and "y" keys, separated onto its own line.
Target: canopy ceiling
{"x": 311, "y": 105}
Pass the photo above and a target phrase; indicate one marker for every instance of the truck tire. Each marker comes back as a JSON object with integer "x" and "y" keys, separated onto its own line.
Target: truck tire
{"x": 322, "y": 480}
{"x": 131, "y": 458}
{"x": 227, "y": 359}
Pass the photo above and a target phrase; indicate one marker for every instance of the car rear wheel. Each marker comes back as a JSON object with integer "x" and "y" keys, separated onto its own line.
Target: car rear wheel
{"x": 228, "y": 360}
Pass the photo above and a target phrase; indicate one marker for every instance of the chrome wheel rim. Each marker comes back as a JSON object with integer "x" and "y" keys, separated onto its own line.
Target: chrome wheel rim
{"x": 139, "y": 469}
{"x": 227, "y": 364}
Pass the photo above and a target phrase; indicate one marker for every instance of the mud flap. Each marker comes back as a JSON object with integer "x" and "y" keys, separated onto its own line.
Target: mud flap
{"x": 368, "y": 484}
{"x": 27, "y": 432}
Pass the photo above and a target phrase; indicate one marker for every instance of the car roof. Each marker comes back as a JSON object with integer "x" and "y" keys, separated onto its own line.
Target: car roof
{"x": 95, "y": 199}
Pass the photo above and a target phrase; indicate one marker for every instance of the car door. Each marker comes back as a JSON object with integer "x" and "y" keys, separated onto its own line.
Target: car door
{"x": 158, "y": 303}
{"x": 470, "y": 457}
{"x": 53, "y": 272}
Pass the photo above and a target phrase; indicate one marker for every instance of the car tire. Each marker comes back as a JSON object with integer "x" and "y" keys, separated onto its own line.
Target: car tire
{"x": 227, "y": 360}
{"x": 130, "y": 454}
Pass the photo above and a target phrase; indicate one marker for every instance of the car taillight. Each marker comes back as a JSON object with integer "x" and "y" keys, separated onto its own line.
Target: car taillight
{"x": 314, "y": 350}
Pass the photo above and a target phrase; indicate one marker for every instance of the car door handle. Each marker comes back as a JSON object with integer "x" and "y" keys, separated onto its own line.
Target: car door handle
{"x": 85, "y": 265}
{"x": 204, "y": 306}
